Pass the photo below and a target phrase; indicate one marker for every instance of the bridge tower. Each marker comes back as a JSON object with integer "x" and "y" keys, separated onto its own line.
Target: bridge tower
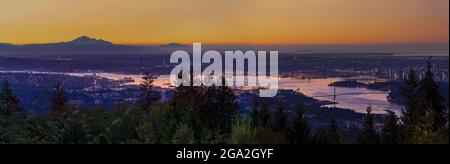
{"x": 334, "y": 97}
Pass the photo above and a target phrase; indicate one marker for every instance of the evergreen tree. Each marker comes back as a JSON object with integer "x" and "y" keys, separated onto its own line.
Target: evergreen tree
{"x": 264, "y": 116}
{"x": 391, "y": 130}
{"x": 182, "y": 101}
{"x": 215, "y": 109}
{"x": 211, "y": 137}
{"x": 414, "y": 109}
{"x": 4, "y": 137}
{"x": 188, "y": 103}
{"x": 369, "y": 134}
{"x": 146, "y": 133}
{"x": 320, "y": 137}
{"x": 59, "y": 101}
{"x": 333, "y": 134}
{"x": 41, "y": 130}
{"x": 9, "y": 104}
{"x": 242, "y": 133}
{"x": 70, "y": 130}
{"x": 432, "y": 99}
{"x": 280, "y": 122}
{"x": 254, "y": 112}
{"x": 183, "y": 135}
{"x": 266, "y": 135}
{"x": 149, "y": 95}
{"x": 226, "y": 107}
{"x": 300, "y": 128}
{"x": 422, "y": 132}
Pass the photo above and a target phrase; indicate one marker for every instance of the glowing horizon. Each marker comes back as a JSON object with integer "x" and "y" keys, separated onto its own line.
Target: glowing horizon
{"x": 285, "y": 22}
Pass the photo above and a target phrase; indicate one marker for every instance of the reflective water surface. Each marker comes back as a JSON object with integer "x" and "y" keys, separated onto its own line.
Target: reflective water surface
{"x": 356, "y": 99}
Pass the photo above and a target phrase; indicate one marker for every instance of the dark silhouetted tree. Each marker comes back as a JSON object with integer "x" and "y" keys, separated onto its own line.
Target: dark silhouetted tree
{"x": 182, "y": 99}
{"x": 226, "y": 107}
{"x": 9, "y": 103}
{"x": 320, "y": 137}
{"x": 255, "y": 112}
{"x": 414, "y": 109}
{"x": 391, "y": 130}
{"x": 183, "y": 135}
{"x": 301, "y": 133}
{"x": 218, "y": 107}
{"x": 146, "y": 133}
{"x": 59, "y": 101}
{"x": 432, "y": 99}
{"x": 333, "y": 134}
{"x": 369, "y": 134}
{"x": 264, "y": 116}
{"x": 280, "y": 122}
{"x": 242, "y": 133}
{"x": 149, "y": 95}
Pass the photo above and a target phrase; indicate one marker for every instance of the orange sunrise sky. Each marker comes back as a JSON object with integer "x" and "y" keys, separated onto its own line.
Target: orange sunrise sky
{"x": 226, "y": 21}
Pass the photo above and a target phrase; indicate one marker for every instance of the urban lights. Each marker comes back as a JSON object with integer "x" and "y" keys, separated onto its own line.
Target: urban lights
{"x": 235, "y": 74}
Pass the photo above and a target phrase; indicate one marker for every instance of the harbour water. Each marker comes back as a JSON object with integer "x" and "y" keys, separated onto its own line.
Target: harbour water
{"x": 357, "y": 99}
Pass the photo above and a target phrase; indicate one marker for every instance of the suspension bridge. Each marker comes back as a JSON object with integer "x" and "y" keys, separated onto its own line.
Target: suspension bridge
{"x": 336, "y": 94}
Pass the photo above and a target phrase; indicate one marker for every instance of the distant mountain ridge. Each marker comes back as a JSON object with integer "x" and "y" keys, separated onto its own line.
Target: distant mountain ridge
{"x": 173, "y": 45}
{"x": 84, "y": 40}
{"x": 80, "y": 41}
{"x": 82, "y": 45}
